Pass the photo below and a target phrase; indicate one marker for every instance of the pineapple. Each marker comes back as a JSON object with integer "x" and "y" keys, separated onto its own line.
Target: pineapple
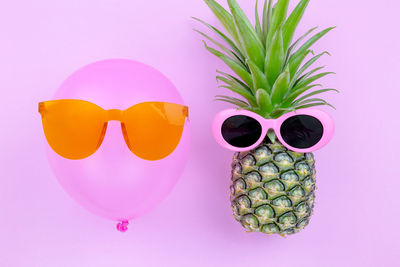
{"x": 272, "y": 188}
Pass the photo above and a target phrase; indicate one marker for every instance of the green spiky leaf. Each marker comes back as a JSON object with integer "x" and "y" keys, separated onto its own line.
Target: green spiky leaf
{"x": 295, "y": 44}
{"x": 315, "y": 93}
{"x": 313, "y": 105}
{"x": 275, "y": 58}
{"x": 267, "y": 13}
{"x": 232, "y": 83}
{"x": 295, "y": 64}
{"x": 252, "y": 100}
{"x": 224, "y": 37}
{"x": 229, "y": 52}
{"x": 291, "y": 23}
{"x": 312, "y": 40}
{"x": 264, "y": 102}
{"x": 305, "y": 76}
{"x": 280, "y": 111}
{"x": 232, "y": 100}
{"x": 225, "y": 18}
{"x": 237, "y": 68}
{"x": 277, "y": 19}
{"x": 306, "y": 66}
{"x": 312, "y": 101}
{"x": 235, "y": 80}
{"x": 293, "y": 95}
{"x": 280, "y": 87}
{"x": 311, "y": 79}
{"x": 259, "y": 78}
{"x": 238, "y": 87}
{"x": 247, "y": 35}
{"x": 258, "y": 24}
{"x": 298, "y": 56}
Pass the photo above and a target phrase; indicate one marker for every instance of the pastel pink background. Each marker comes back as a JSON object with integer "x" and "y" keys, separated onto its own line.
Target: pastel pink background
{"x": 356, "y": 220}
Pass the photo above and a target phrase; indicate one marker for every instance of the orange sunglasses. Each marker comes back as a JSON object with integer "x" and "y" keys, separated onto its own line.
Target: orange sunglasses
{"x": 75, "y": 129}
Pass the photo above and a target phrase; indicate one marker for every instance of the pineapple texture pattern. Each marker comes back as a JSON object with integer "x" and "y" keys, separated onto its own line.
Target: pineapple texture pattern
{"x": 273, "y": 189}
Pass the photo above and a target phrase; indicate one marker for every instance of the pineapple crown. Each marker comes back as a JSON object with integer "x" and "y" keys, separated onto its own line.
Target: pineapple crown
{"x": 271, "y": 73}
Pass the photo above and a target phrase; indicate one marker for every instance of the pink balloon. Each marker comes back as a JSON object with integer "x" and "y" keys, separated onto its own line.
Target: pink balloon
{"x": 113, "y": 182}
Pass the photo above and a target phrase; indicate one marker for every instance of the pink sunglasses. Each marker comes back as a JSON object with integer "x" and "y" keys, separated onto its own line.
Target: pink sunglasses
{"x": 303, "y": 131}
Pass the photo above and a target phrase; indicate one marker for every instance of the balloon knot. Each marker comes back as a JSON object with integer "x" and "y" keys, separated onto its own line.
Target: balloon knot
{"x": 122, "y": 226}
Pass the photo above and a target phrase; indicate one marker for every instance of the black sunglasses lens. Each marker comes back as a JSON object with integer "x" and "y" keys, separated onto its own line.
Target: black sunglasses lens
{"x": 241, "y": 131}
{"x": 302, "y": 131}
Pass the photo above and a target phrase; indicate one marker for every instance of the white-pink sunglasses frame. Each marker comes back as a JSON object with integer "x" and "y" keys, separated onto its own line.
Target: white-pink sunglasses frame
{"x": 275, "y": 124}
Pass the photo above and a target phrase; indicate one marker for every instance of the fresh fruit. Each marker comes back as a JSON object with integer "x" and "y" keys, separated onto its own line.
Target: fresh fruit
{"x": 273, "y": 189}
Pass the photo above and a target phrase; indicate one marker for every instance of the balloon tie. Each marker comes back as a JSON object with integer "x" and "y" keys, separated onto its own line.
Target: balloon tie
{"x": 122, "y": 226}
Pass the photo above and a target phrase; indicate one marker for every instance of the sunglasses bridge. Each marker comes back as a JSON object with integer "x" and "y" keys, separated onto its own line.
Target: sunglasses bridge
{"x": 268, "y": 124}
{"x": 114, "y": 115}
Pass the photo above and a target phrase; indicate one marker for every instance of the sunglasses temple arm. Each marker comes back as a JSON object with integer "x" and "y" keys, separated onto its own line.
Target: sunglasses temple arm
{"x": 186, "y": 112}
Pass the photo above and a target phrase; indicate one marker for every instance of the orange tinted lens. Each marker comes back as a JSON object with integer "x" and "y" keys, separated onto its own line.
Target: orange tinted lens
{"x": 153, "y": 130}
{"x": 74, "y": 128}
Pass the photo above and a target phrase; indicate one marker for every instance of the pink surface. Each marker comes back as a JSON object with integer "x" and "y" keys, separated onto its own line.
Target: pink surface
{"x": 113, "y": 182}
{"x": 357, "y": 207}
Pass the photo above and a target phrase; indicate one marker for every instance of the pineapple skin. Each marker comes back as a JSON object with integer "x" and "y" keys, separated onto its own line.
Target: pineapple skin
{"x": 273, "y": 189}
